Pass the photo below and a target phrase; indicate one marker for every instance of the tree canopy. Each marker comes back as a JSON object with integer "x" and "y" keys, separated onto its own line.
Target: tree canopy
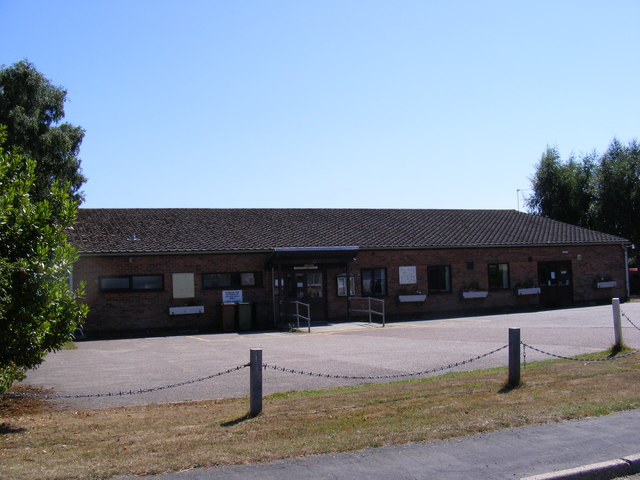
{"x": 601, "y": 192}
{"x": 32, "y": 108}
{"x": 38, "y": 309}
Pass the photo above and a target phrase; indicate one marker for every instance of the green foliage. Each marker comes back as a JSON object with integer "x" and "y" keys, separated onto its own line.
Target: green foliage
{"x": 31, "y": 107}
{"x": 618, "y": 201}
{"x": 564, "y": 190}
{"x": 601, "y": 192}
{"x": 38, "y": 310}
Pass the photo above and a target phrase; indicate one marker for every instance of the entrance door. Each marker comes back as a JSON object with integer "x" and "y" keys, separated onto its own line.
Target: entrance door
{"x": 308, "y": 286}
{"x": 556, "y": 283}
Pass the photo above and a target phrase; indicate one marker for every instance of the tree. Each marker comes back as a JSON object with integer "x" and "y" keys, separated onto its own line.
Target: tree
{"x": 618, "y": 193}
{"x": 38, "y": 310}
{"x": 563, "y": 190}
{"x": 32, "y": 108}
{"x": 601, "y": 192}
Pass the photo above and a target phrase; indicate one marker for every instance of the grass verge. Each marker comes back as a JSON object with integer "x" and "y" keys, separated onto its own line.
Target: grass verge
{"x": 45, "y": 443}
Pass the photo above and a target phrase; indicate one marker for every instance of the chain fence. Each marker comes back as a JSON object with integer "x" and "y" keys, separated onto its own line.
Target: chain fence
{"x": 629, "y": 320}
{"x": 605, "y": 359}
{"x": 265, "y": 366}
{"x": 125, "y": 393}
{"x": 382, "y": 377}
{"x": 293, "y": 371}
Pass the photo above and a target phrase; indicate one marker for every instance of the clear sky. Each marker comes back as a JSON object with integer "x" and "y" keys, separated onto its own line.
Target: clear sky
{"x": 330, "y": 103}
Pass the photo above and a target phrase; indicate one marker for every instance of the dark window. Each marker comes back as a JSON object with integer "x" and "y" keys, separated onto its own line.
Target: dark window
{"x": 374, "y": 282}
{"x": 232, "y": 280}
{"x": 498, "y": 276}
{"x": 439, "y": 278}
{"x": 125, "y": 283}
{"x": 147, "y": 282}
{"x": 114, "y": 283}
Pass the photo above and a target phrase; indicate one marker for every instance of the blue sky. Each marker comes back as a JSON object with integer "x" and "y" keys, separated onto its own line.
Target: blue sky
{"x": 323, "y": 103}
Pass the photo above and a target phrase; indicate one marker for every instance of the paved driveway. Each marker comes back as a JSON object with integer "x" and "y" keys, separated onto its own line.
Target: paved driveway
{"x": 354, "y": 349}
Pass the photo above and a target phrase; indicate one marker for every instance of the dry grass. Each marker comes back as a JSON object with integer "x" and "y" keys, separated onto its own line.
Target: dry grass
{"x": 51, "y": 444}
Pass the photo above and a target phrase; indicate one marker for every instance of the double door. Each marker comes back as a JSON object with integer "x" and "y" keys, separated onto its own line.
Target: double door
{"x": 307, "y": 286}
{"x": 556, "y": 283}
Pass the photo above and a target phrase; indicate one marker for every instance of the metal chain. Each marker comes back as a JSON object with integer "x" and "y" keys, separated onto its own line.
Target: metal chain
{"x": 524, "y": 354}
{"x": 380, "y": 377}
{"x": 629, "y": 320}
{"x": 122, "y": 393}
{"x": 606, "y": 359}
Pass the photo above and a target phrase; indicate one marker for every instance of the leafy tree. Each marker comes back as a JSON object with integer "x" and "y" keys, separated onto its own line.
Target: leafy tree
{"x": 618, "y": 193}
{"x": 38, "y": 310}
{"x": 32, "y": 108}
{"x": 598, "y": 191}
{"x": 563, "y": 190}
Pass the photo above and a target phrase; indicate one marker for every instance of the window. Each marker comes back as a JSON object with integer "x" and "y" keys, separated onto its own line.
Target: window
{"x": 232, "y": 280}
{"x": 126, "y": 283}
{"x": 498, "y": 276}
{"x": 439, "y": 278}
{"x": 342, "y": 285}
{"x": 374, "y": 282}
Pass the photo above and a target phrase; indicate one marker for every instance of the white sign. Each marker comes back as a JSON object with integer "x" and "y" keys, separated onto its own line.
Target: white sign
{"x": 231, "y": 296}
{"x": 407, "y": 275}
{"x": 183, "y": 285}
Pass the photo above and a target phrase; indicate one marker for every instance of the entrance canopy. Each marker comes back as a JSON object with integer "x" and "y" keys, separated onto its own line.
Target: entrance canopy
{"x": 313, "y": 256}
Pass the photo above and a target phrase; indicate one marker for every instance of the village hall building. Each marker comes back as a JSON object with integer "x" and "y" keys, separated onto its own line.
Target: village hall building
{"x": 148, "y": 270}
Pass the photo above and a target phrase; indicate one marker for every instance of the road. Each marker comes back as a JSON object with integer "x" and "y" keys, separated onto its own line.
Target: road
{"x": 352, "y": 349}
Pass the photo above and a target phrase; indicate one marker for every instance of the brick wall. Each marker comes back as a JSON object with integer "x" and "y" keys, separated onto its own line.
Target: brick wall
{"x": 150, "y": 310}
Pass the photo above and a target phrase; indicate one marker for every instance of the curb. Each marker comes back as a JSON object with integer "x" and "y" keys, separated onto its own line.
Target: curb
{"x": 621, "y": 467}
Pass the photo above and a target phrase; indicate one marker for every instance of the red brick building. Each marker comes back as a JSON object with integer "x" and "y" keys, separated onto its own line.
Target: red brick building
{"x": 152, "y": 269}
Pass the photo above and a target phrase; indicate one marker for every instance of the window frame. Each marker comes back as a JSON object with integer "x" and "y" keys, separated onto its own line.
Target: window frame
{"x": 437, "y": 269}
{"x": 130, "y": 283}
{"x": 342, "y": 282}
{"x": 385, "y": 283}
{"x": 237, "y": 280}
{"x": 499, "y": 275}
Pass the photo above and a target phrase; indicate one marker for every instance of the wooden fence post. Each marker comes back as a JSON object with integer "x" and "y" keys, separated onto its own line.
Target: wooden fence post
{"x": 255, "y": 382}
{"x": 514, "y": 357}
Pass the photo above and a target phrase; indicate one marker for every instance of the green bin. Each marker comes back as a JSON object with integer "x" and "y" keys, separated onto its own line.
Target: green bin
{"x": 228, "y": 314}
{"x": 244, "y": 316}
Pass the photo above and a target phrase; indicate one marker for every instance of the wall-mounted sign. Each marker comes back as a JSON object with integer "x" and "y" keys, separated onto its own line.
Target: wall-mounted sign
{"x": 231, "y": 296}
{"x": 407, "y": 275}
{"x": 183, "y": 285}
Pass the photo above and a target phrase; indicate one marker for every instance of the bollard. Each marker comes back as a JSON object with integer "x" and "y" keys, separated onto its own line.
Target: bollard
{"x": 514, "y": 357}
{"x": 255, "y": 382}
{"x": 617, "y": 324}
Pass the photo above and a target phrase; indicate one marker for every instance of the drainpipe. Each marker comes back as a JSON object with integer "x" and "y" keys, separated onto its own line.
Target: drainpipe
{"x": 273, "y": 295}
{"x": 348, "y": 280}
{"x": 626, "y": 268}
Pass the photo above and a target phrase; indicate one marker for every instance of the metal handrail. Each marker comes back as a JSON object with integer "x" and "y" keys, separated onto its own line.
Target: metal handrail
{"x": 299, "y": 316}
{"x": 370, "y": 309}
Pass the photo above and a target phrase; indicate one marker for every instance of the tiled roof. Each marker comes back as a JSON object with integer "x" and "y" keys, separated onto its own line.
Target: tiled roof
{"x": 142, "y": 230}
